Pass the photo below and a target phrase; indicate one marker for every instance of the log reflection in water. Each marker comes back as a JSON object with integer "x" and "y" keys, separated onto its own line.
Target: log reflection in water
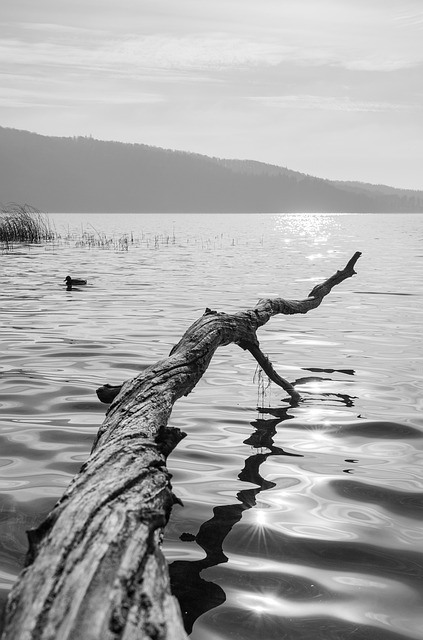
{"x": 196, "y": 595}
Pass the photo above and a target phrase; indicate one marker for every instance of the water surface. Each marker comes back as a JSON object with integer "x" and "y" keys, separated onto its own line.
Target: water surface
{"x": 298, "y": 522}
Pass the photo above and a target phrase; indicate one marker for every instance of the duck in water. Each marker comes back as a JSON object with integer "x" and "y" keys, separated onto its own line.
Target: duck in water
{"x": 73, "y": 282}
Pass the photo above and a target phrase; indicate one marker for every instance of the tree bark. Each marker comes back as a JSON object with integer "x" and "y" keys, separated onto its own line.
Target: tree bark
{"x": 95, "y": 569}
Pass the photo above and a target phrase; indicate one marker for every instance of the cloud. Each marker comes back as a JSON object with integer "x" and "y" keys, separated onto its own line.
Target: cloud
{"x": 410, "y": 17}
{"x": 53, "y": 98}
{"x": 239, "y": 43}
{"x": 194, "y": 36}
{"x": 328, "y": 103}
{"x": 186, "y": 53}
{"x": 212, "y": 51}
{"x": 384, "y": 63}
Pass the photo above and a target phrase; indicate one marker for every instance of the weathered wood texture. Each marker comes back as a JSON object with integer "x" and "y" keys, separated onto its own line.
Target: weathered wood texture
{"x": 95, "y": 570}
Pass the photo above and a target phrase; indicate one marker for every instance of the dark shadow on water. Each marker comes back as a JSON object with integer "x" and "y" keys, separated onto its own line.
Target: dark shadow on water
{"x": 343, "y": 398}
{"x": 348, "y": 372}
{"x": 386, "y": 293}
{"x": 196, "y": 595}
{"x": 15, "y": 518}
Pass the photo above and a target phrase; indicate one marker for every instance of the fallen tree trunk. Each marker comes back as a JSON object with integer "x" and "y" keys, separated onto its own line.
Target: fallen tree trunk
{"x": 94, "y": 568}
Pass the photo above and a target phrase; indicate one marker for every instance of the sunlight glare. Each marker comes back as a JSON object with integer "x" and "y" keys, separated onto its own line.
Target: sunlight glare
{"x": 261, "y": 603}
{"x": 314, "y": 414}
{"x": 260, "y": 517}
{"x": 314, "y": 387}
{"x": 317, "y": 226}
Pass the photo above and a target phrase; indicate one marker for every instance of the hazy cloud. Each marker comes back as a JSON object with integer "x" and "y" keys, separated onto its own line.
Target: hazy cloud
{"x": 329, "y": 103}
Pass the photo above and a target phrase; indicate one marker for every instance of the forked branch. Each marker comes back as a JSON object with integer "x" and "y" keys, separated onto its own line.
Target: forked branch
{"x": 241, "y": 328}
{"x": 95, "y": 569}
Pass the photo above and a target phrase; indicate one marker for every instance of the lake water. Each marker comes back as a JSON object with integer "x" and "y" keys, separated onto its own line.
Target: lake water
{"x": 301, "y": 523}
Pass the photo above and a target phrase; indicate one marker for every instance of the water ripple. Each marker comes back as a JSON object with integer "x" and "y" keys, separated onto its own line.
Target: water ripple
{"x": 298, "y": 522}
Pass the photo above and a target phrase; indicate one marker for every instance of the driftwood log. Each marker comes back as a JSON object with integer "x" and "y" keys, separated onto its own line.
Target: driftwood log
{"x": 95, "y": 569}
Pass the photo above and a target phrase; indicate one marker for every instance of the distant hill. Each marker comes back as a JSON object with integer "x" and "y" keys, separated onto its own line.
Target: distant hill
{"x": 86, "y": 175}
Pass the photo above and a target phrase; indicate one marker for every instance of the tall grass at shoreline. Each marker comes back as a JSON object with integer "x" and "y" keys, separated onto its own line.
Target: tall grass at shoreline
{"x": 27, "y": 225}
{"x": 23, "y": 223}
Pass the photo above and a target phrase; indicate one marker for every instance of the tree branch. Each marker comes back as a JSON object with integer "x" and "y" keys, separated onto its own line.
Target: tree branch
{"x": 94, "y": 568}
{"x": 268, "y": 369}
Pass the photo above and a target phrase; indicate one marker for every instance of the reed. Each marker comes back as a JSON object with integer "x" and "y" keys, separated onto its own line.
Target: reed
{"x": 264, "y": 387}
{"x": 23, "y": 223}
{"x": 99, "y": 241}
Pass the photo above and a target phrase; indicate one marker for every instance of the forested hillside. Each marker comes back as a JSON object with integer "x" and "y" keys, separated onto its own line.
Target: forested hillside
{"x": 86, "y": 175}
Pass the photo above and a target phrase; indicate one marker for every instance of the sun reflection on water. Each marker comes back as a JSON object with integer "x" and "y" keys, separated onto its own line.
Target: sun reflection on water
{"x": 315, "y": 226}
{"x": 260, "y": 517}
{"x": 261, "y": 603}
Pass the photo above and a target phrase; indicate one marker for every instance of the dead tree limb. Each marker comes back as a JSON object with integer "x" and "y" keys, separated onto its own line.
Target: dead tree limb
{"x": 94, "y": 568}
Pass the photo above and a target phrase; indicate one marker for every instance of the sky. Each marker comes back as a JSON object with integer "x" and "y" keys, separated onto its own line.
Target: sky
{"x": 331, "y": 88}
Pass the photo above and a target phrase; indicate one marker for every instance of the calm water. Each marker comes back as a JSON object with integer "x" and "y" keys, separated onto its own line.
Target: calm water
{"x": 299, "y": 523}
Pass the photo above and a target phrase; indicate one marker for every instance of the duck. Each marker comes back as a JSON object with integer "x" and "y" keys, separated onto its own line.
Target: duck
{"x": 74, "y": 282}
